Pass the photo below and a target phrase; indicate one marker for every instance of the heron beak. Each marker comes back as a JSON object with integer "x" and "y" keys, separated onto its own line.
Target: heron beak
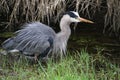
{"x": 85, "y": 20}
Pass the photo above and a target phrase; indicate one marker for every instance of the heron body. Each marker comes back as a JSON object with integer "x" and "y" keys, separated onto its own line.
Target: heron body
{"x": 34, "y": 38}
{"x": 37, "y": 39}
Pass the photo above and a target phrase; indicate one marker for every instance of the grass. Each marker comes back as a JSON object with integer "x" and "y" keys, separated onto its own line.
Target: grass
{"x": 13, "y": 12}
{"x": 6, "y": 34}
{"x": 80, "y": 66}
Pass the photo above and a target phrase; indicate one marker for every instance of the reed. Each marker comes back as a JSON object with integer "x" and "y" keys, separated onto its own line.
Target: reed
{"x": 18, "y": 11}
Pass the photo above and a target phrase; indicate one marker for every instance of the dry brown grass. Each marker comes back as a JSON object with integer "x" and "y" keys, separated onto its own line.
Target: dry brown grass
{"x": 112, "y": 16}
{"x": 44, "y": 10}
{"x": 31, "y": 10}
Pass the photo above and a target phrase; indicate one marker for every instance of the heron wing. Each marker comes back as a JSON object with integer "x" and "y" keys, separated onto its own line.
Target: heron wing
{"x": 34, "y": 38}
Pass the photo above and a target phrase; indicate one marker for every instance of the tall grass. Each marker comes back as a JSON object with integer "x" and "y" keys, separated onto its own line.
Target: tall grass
{"x": 18, "y": 11}
{"x": 81, "y": 66}
{"x": 30, "y": 10}
{"x": 112, "y": 16}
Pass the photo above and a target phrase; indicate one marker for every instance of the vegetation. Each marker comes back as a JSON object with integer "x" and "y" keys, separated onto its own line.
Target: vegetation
{"x": 14, "y": 12}
{"x": 80, "y": 66}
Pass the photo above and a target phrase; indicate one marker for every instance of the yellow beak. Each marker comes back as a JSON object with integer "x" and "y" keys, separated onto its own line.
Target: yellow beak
{"x": 85, "y": 20}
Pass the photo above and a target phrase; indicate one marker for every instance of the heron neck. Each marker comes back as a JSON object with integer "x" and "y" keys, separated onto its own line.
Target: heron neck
{"x": 65, "y": 27}
{"x": 62, "y": 37}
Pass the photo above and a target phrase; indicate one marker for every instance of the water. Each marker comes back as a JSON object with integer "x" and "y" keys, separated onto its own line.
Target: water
{"x": 95, "y": 42}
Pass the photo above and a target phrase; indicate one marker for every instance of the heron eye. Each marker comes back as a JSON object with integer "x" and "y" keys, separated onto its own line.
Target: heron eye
{"x": 76, "y": 17}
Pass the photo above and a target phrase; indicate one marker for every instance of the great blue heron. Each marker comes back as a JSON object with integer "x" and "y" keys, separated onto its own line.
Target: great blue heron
{"x": 38, "y": 40}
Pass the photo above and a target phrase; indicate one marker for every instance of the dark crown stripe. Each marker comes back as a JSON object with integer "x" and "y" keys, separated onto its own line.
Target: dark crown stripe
{"x": 71, "y": 14}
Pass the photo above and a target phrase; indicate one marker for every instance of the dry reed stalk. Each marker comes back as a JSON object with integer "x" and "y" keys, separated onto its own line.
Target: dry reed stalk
{"x": 31, "y": 10}
{"x": 112, "y": 16}
{"x": 44, "y": 10}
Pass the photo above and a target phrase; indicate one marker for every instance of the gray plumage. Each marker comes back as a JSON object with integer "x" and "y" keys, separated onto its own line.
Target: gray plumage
{"x": 40, "y": 39}
{"x": 33, "y": 38}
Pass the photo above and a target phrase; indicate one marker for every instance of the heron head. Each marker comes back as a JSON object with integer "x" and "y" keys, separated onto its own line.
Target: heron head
{"x": 74, "y": 17}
